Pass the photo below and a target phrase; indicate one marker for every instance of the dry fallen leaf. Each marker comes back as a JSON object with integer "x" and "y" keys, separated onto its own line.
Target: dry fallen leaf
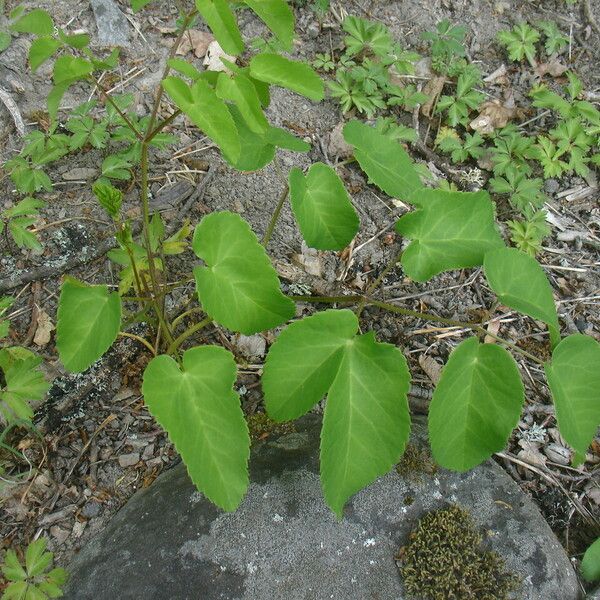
{"x": 214, "y": 53}
{"x": 433, "y": 89}
{"x": 553, "y": 67}
{"x": 196, "y": 41}
{"x": 493, "y": 327}
{"x": 493, "y": 115}
{"x": 45, "y": 327}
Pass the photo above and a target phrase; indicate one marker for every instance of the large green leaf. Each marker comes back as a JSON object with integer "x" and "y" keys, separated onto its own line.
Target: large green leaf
{"x": 475, "y": 406}
{"x": 207, "y": 111}
{"x": 89, "y": 318}
{"x": 278, "y": 17}
{"x": 574, "y": 378}
{"x": 385, "y": 161}
{"x": 239, "y": 287}
{"x": 284, "y": 139}
{"x": 293, "y": 75}
{"x": 590, "y": 565}
{"x": 24, "y": 382}
{"x": 200, "y": 411}
{"x": 367, "y": 422}
{"x": 452, "y": 230}
{"x": 520, "y": 282}
{"x": 322, "y": 207}
{"x": 68, "y": 69}
{"x": 241, "y": 91}
{"x": 221, "y": 20}
{"x": 256, "y": 150}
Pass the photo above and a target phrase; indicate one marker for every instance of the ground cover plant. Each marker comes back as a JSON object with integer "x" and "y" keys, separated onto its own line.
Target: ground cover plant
{"x": 189, "y": 388}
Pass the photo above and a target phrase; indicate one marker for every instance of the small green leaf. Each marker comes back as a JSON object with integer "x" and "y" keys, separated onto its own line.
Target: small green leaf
{"x": 220, "y": 19}
{"x": 241, "y": 91}
{"x": 475, "y": 406}
{"x": 109, "y": 197}
{"x": 185, "y": 68}
{"x": 77, "y": 40}
{"x": 293, "y": 75}
{"x": 137, "y": 5}
{"x": 37, "y": 560}
{"x": 89, "y": 318}
{"x": 41, "y": 50}
{"x": 278, "y": 17}
{"x": 520, "y": 283}
{"x": 452, "y": 230}
{"x": 207, "y": 111}
{"x": 322, "y": 208}
{"x": 574, "y": 379}
{"x": 12, "y": 568}
{"x": 16, "y": 591}
{"x": 199, "y": 409}
{"x": 367, "y": 422}
{"x": 590, "y": 565}
{"x": 37, "y": 21}
{"x": 239, "y": 287}
{"x": 70, "y": 68}
{"x": 24, "y": 383}
{"x": 385, "y": 162}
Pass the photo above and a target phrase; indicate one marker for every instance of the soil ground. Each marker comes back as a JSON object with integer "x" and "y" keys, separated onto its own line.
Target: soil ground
{"x": 97, "y": 444}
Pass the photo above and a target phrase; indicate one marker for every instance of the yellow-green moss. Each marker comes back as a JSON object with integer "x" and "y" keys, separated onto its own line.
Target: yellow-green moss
{"x": 415, "y": 463}
{"x": 443, "y": 561}
{"x": 260, "y": 426}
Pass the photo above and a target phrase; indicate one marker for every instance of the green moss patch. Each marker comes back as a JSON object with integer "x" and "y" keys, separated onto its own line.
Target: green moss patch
{"x": 443, "y": 560}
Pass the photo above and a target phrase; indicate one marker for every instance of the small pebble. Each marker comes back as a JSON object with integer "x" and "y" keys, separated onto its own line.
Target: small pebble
{"x": 128, "y": 460}
{"x": 91, "y": 509}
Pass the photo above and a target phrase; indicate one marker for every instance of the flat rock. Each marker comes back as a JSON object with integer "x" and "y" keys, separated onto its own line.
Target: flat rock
{"x": 113, "y": 28}
{"x": 283, "y": 542}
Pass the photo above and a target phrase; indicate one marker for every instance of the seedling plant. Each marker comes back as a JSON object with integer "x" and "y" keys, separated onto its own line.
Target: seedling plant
{"x": 189, "y": 386}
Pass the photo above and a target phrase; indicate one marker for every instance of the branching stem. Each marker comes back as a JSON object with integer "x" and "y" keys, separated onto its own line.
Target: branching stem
{"x": 190, "y": 331}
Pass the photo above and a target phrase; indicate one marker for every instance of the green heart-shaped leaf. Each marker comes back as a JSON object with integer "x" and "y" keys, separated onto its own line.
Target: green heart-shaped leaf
{"x": 520, "y": 283}
{"x": 475, "y": 406}
{"x": 574, "y": 378}
{"x": 451, "y": 230}
{"x": 367, "y": 422}
{"x": 239, "y": 287}
{"x": 196, "y": 405}
{"x": 323, "y": 208}
{"x": 89, "y": 318}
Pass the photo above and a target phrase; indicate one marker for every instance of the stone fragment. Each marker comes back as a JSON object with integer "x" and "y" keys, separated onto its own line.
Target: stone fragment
{"x": 113, "y": 28}
{"x": 283, "y": 542}
{"x": 338, "y": 147}
{"x": 80, "y": 174}
{"x": 128, "y": 460}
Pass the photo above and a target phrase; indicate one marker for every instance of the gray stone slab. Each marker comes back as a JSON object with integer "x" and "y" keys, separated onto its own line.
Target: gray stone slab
{"x": 112, "y": 24}
{"x": 168, "y": 542}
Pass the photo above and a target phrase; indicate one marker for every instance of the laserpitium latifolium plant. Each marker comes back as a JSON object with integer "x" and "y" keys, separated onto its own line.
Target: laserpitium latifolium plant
{"x": 366, "y": 423}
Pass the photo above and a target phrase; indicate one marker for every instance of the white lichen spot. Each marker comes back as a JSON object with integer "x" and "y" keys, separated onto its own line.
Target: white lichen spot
{"x": 251, "y": 568}
{"x": 195, "y": 497}
{"x": 368, "y": 543}
{"x": 277, "y": 518}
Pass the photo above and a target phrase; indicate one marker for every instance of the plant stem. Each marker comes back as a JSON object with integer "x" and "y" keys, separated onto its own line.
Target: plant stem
{"x": 109, "y": 98}
{"x": 188, "y": 333}
{"x": 418, "y": 315}
{"x": 162, "y": 125}
{"x": 159, "y": 92}
{"x": 139, "y": 339}
{"x": 273, "y": 221}
{"x": 391, "y": 264}
{"x": 183, "y": 315}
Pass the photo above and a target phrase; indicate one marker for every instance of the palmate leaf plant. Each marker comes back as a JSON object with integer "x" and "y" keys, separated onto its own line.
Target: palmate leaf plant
{"x": 189, "y": 386}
